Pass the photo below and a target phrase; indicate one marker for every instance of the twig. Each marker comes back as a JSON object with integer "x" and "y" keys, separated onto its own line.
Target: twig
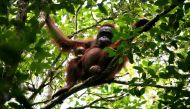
{"x": 76, "y": 15}
{"x": 42, "y": 85}
{"x": 56, "y": 59}
{"x": 92, "y": 13}
{"x": 94, "y": 25}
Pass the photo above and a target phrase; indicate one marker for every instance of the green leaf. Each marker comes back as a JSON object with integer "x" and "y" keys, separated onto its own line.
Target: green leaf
{"x": 142, "y": 91}
{"x": 9, "y": 54}
{"x": 137, "y": 50}
{"x": 4, "y": 7}
{"x": 171, "y": 58}
{"x": 15, "y": 105}
{"x": 111, "y": 52}
{"x": 151, "y": 72}
{"x": 182, "y": 65}
{"x": 152, "y": 45}
{"x": 3, "y": 21}
{"x": 173, "y": 22}
{"x": 187, "y": 6}
{"x": 133, "y": 80}
{"x": 174, "y": 44}
{"x": 164, "y": 27}
{"x": 161, "y": 2}
{"x": 164, "y": 75}
{"x": 171, "y": 70}
{"x": 144, "y": 76}
{"x": 22, "y": 76}
{"x": 77, "y": 1}
{"x": 148, "y": 81}
{"x": 102, "y": 8}
{"x": 180, "y": 56}
{"x": 140, "y": 69}
{"x": 130, "y": 56}
{"x": 89, "y": 4}
{"x": 117, "y": 90}
{"x": 187, "y": 60}
{"x": 156, "y": 53}
{"x": 134, "y": 91}
{"x": 150, "y": 63}
{"x": 70, "y": 8}
{"x": 137, "y": 92}
{"x": 77, "y": 103}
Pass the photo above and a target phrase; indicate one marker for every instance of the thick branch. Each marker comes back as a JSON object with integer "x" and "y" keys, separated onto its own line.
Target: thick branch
{"x": 151, "y": 23}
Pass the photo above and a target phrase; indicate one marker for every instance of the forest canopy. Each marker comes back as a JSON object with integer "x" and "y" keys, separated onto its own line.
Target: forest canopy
{"x": 33, "y": 66}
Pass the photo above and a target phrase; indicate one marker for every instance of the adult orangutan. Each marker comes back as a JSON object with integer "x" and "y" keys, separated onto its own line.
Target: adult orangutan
{"x": 92, "y": 60}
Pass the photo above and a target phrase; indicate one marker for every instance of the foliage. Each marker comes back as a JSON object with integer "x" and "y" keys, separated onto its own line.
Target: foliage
{"x": 32, "y": 68}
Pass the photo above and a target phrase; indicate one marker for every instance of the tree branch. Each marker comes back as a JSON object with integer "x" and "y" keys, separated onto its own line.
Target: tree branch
{"x": 142, "y": 84}
{"x": 76, "y": 15}
{"x": 100, "y": 99}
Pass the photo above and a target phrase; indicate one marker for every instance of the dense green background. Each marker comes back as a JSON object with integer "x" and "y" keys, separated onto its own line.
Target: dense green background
{"x": 32, "y": 69}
